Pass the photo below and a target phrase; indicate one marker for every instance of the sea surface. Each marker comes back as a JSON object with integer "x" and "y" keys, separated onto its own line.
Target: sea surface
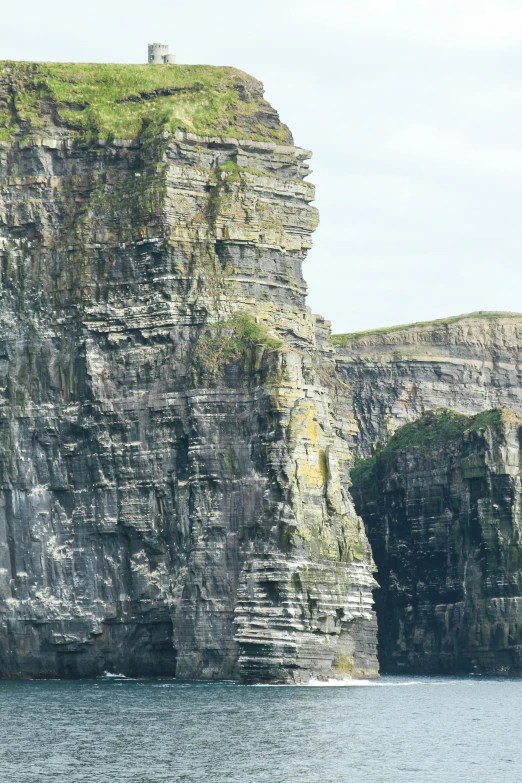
{"x": 395, "y": 730}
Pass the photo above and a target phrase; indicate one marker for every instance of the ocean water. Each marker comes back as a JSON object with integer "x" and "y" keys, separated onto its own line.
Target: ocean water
{"x": 395, "y": 730}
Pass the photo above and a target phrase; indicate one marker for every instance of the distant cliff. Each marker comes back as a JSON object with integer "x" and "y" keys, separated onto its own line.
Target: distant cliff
{"x": 174, "y": 442}
{"x": 469, "y": 363}
{"x": 442, "y": 505}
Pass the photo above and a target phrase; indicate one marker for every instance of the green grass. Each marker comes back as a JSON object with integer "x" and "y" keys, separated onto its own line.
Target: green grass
{"x": 441, "y": 424}
{"x": 434, "y": 428}
{"x": 232, "y": 340}
{"x": 344, "y": 339}
{"x": 109, "y": 100}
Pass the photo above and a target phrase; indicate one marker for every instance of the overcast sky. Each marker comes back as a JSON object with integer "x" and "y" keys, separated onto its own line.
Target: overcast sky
{"x": 412, "y": 109}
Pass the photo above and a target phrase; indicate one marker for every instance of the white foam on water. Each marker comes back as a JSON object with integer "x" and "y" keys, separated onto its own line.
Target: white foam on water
{"x": 332, "y": 683}
{"x": 112, "y": 676}
{"x": 313, "y": 683}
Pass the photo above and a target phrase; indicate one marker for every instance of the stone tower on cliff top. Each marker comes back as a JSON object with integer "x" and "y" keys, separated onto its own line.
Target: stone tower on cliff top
{"x": 159, "y": 55}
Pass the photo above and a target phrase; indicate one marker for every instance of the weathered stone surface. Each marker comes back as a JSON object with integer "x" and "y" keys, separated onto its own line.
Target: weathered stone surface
{"x": 174, "y": 443}
{"x": 442, "y": 505}
{"x": 468, "y": 363}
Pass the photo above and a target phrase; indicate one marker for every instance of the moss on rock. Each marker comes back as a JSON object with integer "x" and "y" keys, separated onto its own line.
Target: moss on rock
{"x": 232, "y": 340}
{"x": 433, "y": 429}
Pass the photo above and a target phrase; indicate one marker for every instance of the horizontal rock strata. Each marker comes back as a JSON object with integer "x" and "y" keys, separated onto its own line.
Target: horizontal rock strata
{"x": 468, "y": 363}
{"x": 174, "y": 443}
{"x": 442, "y": 505}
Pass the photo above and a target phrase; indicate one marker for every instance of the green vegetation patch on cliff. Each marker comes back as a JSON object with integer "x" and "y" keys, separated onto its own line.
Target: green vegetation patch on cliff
{"x": 431, "y": 430}
{"x": 345, "y": 339}
{"x": 110, "y": 100}
{"x": 232, "y": 340}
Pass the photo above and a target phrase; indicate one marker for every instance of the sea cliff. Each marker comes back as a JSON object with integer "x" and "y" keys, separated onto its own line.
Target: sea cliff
{"x": 469, "y": 363}
{"x": 442, "y": 505}
{"x": 174, "y": 441}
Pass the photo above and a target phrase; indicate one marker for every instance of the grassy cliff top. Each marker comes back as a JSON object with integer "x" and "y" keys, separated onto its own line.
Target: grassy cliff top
{"x": 434, "y": 429}
{"x": 345, "y": 339}
{"x": 113, "y": 100}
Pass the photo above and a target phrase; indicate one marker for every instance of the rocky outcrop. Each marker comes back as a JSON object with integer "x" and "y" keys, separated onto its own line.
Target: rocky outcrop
{"x": 174, "y": 442}
{"x": 468, "y": 363}
{"x": 442, "y": 505}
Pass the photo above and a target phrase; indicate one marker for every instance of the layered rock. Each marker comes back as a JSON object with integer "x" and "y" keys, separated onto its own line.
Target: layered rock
{"x": 174, "y": 443}
{"x": 468, "y": 363}
{"x": 442, "y": 505}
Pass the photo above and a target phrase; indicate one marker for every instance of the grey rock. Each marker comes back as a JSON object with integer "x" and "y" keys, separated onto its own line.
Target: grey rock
{"x": 174, "y": 443}
{"x": 442, "y": 505}
{"x": 469, "y": 363}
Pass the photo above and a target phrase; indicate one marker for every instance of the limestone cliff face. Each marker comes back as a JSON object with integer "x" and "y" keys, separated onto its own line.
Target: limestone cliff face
{"x": 442, "y": 505}
{"x": 174, "y": 443}
{"x": 468, "y": 363}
